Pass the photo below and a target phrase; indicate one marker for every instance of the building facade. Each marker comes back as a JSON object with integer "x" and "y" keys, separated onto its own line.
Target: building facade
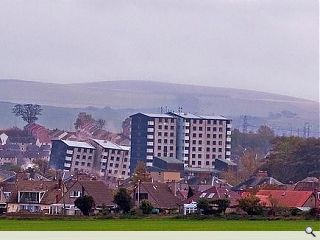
{"x": 72, "y": 156}
{"x": 112, "y": 160}
{"x": 196, "y": 140}
{"x": 152, "y": 135}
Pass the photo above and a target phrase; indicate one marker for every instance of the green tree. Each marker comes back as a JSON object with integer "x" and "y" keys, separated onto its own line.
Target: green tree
{"x": 28, "y": 112}
{"x": 123, "y": 199}
{"x": 190, "y": 192}
{"x": 100, "y": 123}
{"x": 146, "y": 207}
{"x": 203, "y": 206}
{"x": 251, "y": 205}
{"x": 85, "y": 204}
{"x": 221, "y": 205}
{"x": 83, "y": 120}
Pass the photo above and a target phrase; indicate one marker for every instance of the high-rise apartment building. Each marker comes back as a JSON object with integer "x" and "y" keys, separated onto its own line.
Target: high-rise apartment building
{"x": 196, "y": 140}
{"x": 152, "y": 135}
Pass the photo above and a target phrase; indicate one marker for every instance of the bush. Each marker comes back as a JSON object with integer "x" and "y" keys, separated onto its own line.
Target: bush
{"x": 146, "y": 207}
{"x": 251, "y": 205}
{"x": 123, "y": 200}
{"x": 85, "y": 204}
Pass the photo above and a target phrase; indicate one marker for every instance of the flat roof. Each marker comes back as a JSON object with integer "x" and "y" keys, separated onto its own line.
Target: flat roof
{"x": 170, "y": 160}
{"x": 195, "y": 116}
{"x": 227, "y": 162}
{"x": 78, "y": 144}
{"x": 155, "y": 115}
{"x": 111, "y": 145}
{"x": 195, "y": 169}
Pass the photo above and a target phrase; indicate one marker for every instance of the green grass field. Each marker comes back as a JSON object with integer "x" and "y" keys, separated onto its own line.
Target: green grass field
{"x": 155, "y": 224}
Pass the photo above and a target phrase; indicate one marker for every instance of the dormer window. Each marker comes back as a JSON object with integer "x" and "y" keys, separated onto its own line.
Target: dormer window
{"x": 75, "y": 194}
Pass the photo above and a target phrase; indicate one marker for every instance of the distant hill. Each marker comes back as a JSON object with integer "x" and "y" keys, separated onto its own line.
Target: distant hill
{"x": 114, "y": 100}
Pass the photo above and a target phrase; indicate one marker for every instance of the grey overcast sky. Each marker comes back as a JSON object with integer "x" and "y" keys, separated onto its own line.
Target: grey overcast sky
{"x": 266, "y": 45}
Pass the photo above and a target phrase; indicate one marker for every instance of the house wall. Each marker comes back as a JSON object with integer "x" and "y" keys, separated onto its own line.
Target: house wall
{"x": 58, "y": 154}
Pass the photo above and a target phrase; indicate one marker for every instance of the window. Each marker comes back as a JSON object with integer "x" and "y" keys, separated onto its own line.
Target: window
{"x": 208, "y": 135}
{"x": 159, "y": 134}
{"x": 194, "y": 142}
{"x": 124, "y": 166}
{"x": 165, "y": 141}
{"x": 110, "y": 171}
{"x": 220, "y": 129}
{"x": 117, "y": 159}
{"x": 166, "y": 127}
{"x": 193, "y": 162}
{"x": 117, "y": 165}
{"x": 171, "y": 148}
{"x": 159, "y": 147}
{"x": 208, "y": 149}
{"x": 211, "y": 195}
{"x": 214, "y": 156}
{"x": 200, "y": 142}
{"x": 220, "y": 149}
{"x": 111, "y": 164}
{"x": 112, "y": 158}
{"x": 200, "y": 121}
{"x": 207, "y": 156}
{"x": 200, "y": 135}
{"x": 171, "y": 134}
{"x": 214, "y": 129}
{"x": 194, "y": 129}
{"x": 199, "y": 155}
{"x": 208, "y": 142}
{"x": 199, "y": 162}
{"x": 193, "y": 156}
{"x": 172, "y": 120}
{"x": 125, "y": 160}
{"x": 220, "y": 136}
{"x": 160, "y": 127}
{"x": 166, "y": 134}
{"x": 208, "y": 128}
{"x": 199, "y": 148}
{"x": 78, "y": 156}
{"x": 171, "y": 140}
{"x": 159, "y": 154}
{"x": 79, "y": 149}
{"x": 214, "y": 143}
{"x": 75, "y": 193}
{"x": 83, "y": 163}
{"x": 90, "y": 157}
{"x": 219, "y": 156}
{"x": 207, "y": 163}
{"x": 85, "y": 150}
{"x": 159, "y": 140}
{"x": 88, "y": 164}
{"x": 123, "y": 172}
{"x": 84, "y": 157}
{"x": 77, "y": 163}
{"x": 172, "y": 127}
{"x": 160, "y": 120}
{"x": 220, "y": 143}
{"x": 91, "y": 150}
{"x": 171, "y": 154}
{"x": 115, "y": 171}
{"x": 214, "y": 121}
{"x": 209, "y": 122}
{"x": 194, "y": 135}
{"x": 200, "y": 128}
{"x": 194, "y": 121}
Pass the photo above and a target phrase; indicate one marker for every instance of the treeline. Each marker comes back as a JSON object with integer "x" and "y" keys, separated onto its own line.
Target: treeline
{"x": 292, "y": 159}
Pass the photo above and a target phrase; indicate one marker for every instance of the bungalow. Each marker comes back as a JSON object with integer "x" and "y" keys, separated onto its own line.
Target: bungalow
{"x": 158, "y": 194}
{"x": 101, "y": 194}
{"x": 303, "y": 200}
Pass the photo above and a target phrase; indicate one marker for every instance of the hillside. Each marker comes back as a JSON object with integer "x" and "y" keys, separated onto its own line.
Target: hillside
{"x": 115, "y": 100}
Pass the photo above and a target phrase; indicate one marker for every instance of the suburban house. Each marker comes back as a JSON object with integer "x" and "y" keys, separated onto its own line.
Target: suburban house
{"x": 303, "y": 200}
{"x": 31, "y": 196}
{"x": 159, "y": 194}
{"x": 216, "y": 192}
{"x": 166, "y": 169}
{"x": 102, "y": 195}
{"x": 9, "y": 157}
{"x": 259, "y": 180}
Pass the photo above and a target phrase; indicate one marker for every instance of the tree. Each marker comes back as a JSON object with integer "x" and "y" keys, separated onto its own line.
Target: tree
{"x": 141, "y": 174}
{"x": 83, "y": 120}
{"x": 221, "y": 205}
{"x": 85, "y": 204}
{"x": 28, "y": 112}
{"x": 203, "y": 206}
{"x": 123, "y": 199}
{"x": 100, "y": 123}
{"x": 146, "y": 207}
{"x": 190, "y": 192}
{"x": 251, "y": 205}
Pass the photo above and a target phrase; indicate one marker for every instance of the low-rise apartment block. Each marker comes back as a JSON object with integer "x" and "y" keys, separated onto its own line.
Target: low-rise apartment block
{"x": 72, "y": 155}
{"x": 112, "y": 160}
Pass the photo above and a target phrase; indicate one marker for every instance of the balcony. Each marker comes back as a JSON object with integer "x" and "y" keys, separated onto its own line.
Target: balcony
{"x": 69, "y": 151}
{"x": 151, "y": 123}
{"x": 149, "y": 150}
{"x": 67, "y": 165}
{"x": 150, "y": 130}
{"x": 149, "y": 136}
{"x": 149, "y": 143}
{"x": 228, "y": 132}
{"x": 228, "y": 139}
{"x": 68, "y": 158}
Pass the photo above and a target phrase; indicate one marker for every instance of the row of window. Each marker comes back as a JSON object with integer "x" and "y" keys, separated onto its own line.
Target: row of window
{"x": 207, "y": 149}
{"x": 208, "y": 156}
{"x": 208, "y": 135}
{"x": 200, "y": 163}
{"x": 165, "y": 127}
{"x": 165, "y": 141}
{"x": 116, "y": 172}
{"x": 84, "y": 157}
{"x": 166, "y": 120}
{"x": 200, "y": 141}
{"x": 200, "y": 121}
{"x": 117, "y": 165}
{"x": 165, "y": 154}
{"x": 165, "y": 148}
{"x": 113, "y": 151}
{"x": 214, "y": 129}
{"x": 82, "y": 164}
{"x": 85, "y": 150}
{"x": 165, "y": 134}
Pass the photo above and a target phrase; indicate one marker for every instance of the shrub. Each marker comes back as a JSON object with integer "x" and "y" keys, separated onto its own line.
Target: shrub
{"x": 251, "y": 205}
{"x": 123, "y": 200}
{"x": 85, "y": 204}
{"x": 146, "y": 207}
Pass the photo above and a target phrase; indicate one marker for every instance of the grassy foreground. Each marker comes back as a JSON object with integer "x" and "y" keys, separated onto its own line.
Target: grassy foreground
{"x": 155, "y": 225}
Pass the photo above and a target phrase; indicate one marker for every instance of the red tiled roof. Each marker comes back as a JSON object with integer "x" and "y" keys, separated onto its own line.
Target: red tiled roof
{"x": 285, "y": 198}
